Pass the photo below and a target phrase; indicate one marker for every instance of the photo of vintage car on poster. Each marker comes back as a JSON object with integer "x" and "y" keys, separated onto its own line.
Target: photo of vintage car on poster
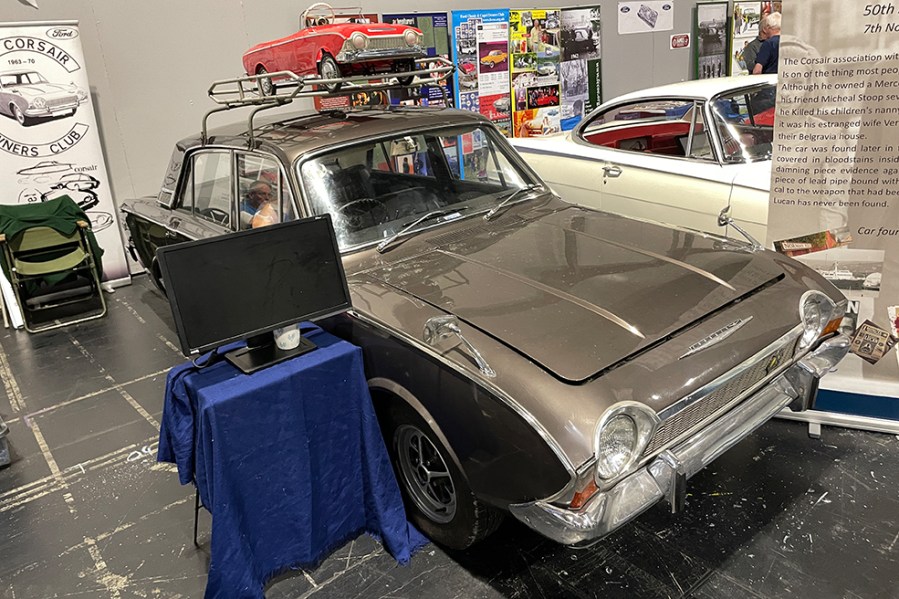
{"x": 30, "y": 99}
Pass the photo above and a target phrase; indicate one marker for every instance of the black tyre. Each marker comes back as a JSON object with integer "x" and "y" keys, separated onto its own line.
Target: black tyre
{"x": 405, "y": 67}
{"x": 437, "y": 496}
{"x": 329, "y": 69}
{"x": 23, "y": 119}
{"x": 265, "y": 84}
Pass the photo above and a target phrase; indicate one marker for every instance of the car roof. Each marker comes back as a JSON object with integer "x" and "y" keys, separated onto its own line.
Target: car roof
{"x": 704, "y": 89}
{"x": 294, "y": 134}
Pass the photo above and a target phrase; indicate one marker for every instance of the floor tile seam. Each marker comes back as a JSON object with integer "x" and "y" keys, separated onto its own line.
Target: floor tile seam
{"x": 103, "y": 536}
{"x": 70, "y": 474}
{"x": 143, "y": 321}
{"x": 134, "y": 404}
{"x": 324, "y": 584}
{"x": 10, "y": 385}
{"x": 68, "y": 402}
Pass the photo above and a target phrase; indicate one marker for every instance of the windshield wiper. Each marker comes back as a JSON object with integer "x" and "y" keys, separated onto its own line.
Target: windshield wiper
{"x": 509, "y": 198}
{"x": 409, "y": 226}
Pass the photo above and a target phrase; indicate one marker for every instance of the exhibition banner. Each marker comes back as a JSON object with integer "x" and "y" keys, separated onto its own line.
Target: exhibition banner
{"x": 435, "y": 28}
{"x": 645, "y": 16}
{"x": 481, "y": 53}
{"x": 49, "y": 141}
{"x": 535, "y": 43}
{"x": 581, "y": 55}
{"x": 835, "y": 181}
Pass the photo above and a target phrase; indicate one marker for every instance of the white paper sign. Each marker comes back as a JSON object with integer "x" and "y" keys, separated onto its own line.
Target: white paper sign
{"x": 645, "y": 17}
{"x": 49, "y": 142}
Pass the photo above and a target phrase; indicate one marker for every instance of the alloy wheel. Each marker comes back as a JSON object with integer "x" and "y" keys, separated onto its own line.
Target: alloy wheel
{"x": 425, "y": 474}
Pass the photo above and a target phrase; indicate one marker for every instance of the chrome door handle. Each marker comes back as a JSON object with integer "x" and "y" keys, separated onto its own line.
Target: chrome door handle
{"x": 612, "y": 171}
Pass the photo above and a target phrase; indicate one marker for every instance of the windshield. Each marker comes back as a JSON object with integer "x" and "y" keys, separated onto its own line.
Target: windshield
{"x": 745, "y": 123}
{"x": 375, "y": 188}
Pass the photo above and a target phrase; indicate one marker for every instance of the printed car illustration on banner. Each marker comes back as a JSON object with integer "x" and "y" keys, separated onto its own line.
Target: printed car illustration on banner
{"x": 706, "y": 142}
{"x": 78, "y": 186}
{"x": 525, "y": 356}
{"x": 27, "y": 97}
{"x": 330, "y": 49}
{"x": 494, "y": 58}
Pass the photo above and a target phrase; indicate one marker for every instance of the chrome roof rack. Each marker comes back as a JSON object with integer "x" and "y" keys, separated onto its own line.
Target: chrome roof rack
{"x": 286, "y": 86}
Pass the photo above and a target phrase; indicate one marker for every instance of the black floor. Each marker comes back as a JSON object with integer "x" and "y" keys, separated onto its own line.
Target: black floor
{"x": 85, "y": 510}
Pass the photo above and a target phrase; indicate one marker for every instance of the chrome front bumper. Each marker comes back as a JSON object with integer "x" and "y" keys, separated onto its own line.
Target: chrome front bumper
{"x": 345, "y": 56}
{"x": 665, "y": 476}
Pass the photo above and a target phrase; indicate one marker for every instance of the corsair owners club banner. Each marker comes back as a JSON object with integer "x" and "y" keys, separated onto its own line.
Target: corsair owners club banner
{"x": 49, "y": 142}
{"x": 835, "y": 182}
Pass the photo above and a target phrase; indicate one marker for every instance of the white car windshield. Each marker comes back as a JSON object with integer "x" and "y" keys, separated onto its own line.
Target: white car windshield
{"x": 745, "y": 123}
{"x": 21, "y": 79}
{"x": 374, "y": 189}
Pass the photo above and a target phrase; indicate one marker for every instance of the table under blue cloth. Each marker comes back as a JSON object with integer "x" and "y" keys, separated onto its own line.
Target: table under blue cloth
{"x": 289, "y": 460}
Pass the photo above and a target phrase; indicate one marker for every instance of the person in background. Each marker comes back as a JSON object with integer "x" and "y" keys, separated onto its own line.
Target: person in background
{"x": 766, "y": 60}
{"x": 258, "y": 209}
{"x": 751, "y": 50}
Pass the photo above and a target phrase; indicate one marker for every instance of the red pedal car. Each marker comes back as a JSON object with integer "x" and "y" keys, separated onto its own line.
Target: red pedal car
{"x": 331, "y": 49}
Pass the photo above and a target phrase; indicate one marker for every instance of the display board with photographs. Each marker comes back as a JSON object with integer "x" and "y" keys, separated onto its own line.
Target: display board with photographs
{"x": 744, "y": 29}
{"x": 711, "y": 34}
{"x": 535, "y": 44}
{"x": 581, "y": 55}
{"x": 480, "y": 44}
{"x": 434, "y": 27}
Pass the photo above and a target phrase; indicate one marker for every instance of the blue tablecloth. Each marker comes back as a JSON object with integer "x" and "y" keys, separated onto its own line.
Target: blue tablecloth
{"x": 289, "y": 461}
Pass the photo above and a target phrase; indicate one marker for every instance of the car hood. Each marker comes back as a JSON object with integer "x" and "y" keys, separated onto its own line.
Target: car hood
{"x": 39, "y": 89}
{"x": 576, "y": 290}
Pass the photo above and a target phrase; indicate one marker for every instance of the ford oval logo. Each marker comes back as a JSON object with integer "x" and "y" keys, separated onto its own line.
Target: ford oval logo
{"x": 666, "y": 7}
{"x": 62, "y": 33}
{"x": 625, "y": 9}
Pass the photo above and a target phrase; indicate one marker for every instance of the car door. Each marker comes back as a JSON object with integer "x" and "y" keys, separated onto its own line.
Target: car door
{"x": 204, "y": 204}
{"x": 658, "y": 160}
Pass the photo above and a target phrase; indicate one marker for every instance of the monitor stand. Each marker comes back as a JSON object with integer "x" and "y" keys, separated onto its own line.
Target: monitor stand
{"x": 261, "y": 352}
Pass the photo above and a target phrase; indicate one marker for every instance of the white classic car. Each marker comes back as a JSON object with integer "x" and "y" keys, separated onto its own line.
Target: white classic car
{"x": 678, "y": 154}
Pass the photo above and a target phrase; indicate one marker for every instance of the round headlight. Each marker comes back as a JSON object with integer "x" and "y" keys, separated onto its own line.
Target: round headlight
{"x": 359, "y": 41}
{"x": 815, "y": 310}
{"x": 616, "y": 445}
{"x": 38, "y": 103}
{"x": 410, "y": 37}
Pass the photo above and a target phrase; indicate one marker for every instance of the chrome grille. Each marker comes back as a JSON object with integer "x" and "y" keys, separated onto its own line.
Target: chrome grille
{"x": 702, "y": 409}
{"x": 382, "y": 42}
{"x": 61, "y": 101}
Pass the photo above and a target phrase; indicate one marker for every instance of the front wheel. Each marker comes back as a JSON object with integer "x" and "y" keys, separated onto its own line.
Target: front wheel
{"x": 23, "y": 118}
{"x": 405, "y": 67}
{"x": 438, "y": 497}
{"x": 329, "y": 69}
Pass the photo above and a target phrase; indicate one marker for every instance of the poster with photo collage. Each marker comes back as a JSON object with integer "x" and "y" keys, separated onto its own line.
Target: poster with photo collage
{"x": 711, "y": 34}
{"x": 480, "y": 44}
{"x": 744, "y": 28}
{"x": 434, "y": 27}
{"x": 535, "y": 45}
{"x": 580, "y": 66}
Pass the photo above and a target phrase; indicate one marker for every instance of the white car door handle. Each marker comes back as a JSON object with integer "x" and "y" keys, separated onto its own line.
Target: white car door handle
{"x": 612, "y": 171}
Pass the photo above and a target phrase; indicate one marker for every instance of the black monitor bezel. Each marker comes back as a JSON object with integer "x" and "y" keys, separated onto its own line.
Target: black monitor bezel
{"x": 161, "y": 259}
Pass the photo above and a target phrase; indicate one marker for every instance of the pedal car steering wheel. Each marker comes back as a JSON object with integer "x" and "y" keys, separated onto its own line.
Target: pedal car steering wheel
{"x": 305, "y": 16}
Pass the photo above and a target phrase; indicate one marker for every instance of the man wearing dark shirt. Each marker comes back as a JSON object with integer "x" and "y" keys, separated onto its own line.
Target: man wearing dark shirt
{"x": 766, "y": 61}
{"x": 752, "y": 48}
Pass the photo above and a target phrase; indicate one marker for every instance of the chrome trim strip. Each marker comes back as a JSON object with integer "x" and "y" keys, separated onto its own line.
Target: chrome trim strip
{"x": 864, "y": 423}
{"x": 716, "y": 337}
{"x": 489, "y": 386}
{"x": 611, "y": 317}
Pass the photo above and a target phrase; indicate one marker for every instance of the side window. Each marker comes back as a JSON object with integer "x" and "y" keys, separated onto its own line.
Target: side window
{"x": 661, "y": 127}
{"x": 208, "y": 189}
{"x": 265, "y": 196}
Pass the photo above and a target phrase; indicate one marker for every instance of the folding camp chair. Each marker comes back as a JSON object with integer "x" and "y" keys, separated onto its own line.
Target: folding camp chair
{"x": 54, "y": 276}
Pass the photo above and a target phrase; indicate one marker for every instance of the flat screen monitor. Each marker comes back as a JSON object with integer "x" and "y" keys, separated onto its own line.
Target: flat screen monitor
{"x": 246, "y": 284}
